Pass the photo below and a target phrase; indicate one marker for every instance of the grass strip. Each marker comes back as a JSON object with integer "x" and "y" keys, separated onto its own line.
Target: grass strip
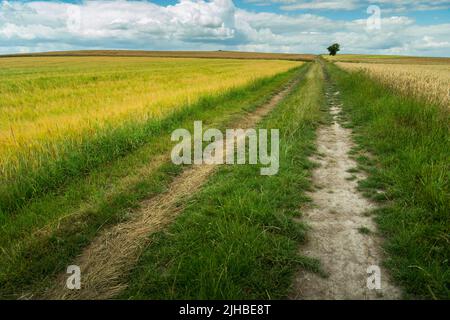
{"x": 237, "y": 238}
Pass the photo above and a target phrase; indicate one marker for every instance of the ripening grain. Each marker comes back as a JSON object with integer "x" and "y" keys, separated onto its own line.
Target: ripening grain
{"x": 63, "y": 116}
{"x": 47, "y": 101}
{"x": 428, "y": 82}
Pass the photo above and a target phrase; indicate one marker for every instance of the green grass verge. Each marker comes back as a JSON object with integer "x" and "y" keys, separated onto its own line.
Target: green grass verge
{"x": 46, "y": 232}
{"x": 410, "y": 144}
{"x": 237, "y": 239}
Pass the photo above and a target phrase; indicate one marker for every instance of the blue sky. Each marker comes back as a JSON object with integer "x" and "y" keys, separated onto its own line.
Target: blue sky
{"x": 408, "y": 27}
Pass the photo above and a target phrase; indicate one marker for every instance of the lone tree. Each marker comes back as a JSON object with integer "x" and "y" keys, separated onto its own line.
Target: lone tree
{"x": 333, "y": 49}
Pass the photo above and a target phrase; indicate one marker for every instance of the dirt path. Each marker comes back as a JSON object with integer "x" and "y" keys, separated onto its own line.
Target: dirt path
{"x": 116, "y": 250}
{"x": 336, "y": 218}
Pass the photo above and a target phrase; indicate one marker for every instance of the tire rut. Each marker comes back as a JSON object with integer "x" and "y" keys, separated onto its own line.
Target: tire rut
{"x": 336, "y": 217}
{"x": 106, "y": 261}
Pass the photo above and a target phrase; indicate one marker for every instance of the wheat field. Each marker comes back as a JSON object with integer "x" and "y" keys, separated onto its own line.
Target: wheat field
{"x": 428, "y": 82}
{"x": 47, "y": 101}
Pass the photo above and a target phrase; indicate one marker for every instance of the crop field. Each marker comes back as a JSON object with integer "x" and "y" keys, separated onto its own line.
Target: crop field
{"x": 82, "y": 138}
{"x": 428, "y": 82}
{"x": 174, "y": 54}
{"x": 52, "y": 105}
{"x": 88, "y": 177}
{"x": 390, "y": 59}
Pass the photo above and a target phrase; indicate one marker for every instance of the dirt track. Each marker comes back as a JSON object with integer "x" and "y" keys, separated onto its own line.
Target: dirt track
{"x": 336, "y": 218}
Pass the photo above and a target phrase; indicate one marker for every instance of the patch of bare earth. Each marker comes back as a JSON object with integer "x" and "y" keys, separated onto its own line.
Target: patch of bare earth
{"x": 342, "y": 236}
{"x": 106, "y": 261}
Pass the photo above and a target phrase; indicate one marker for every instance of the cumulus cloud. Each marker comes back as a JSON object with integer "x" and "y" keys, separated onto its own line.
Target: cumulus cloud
{"x": 203, "y": 25}
{"x": 388, "y": 5}
{"x": 320, "y": 5}
{"x": 412, "y": 5}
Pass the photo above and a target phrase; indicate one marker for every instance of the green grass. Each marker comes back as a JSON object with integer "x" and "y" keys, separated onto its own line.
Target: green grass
{"x": 237, "y": 239}
{"x": 46, "y": 232}
{"x": 410, "y": 142}
{"x": 364, "y": 230}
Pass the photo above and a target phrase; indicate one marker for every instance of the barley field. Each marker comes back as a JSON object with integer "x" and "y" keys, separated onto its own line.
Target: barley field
{"x": 428, "y": 82}
{"x": 51, "y": 105}
{"x": 56, "y": 98}
{"x": 84, "y": 139}
{"x": 389, "y": 59}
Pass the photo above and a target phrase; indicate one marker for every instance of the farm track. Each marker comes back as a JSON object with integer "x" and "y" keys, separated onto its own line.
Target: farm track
{"x": 336, "y": 216}
{"x": 116, "y": 250}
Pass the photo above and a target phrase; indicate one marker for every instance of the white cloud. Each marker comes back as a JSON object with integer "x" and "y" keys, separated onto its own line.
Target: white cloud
{"x": 321, "y": 5}
{"x": 411, "y": 5}
{"x": 203, "y": 25}
{"x": 387, "y": 5}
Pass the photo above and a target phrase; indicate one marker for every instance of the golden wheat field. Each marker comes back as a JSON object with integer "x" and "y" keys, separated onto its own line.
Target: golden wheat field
{"x": 428, "y": 82}
{"x": 53, "y": 99}
{"x": 387, "y": 59}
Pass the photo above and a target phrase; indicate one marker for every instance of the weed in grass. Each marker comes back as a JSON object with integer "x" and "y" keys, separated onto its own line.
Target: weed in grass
{"x": 364, "y": 230}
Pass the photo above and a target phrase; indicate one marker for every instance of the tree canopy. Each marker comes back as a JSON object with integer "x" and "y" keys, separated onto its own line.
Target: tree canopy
{"x": 333, "y": 49}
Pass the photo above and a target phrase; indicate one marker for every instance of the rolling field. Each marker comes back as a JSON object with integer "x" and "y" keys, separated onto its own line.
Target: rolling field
{"x": 87, "y": 138}
{"x": 174, "y": 54}
{"x": 52, "y": 106}
{"x": 87, "y": 177}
